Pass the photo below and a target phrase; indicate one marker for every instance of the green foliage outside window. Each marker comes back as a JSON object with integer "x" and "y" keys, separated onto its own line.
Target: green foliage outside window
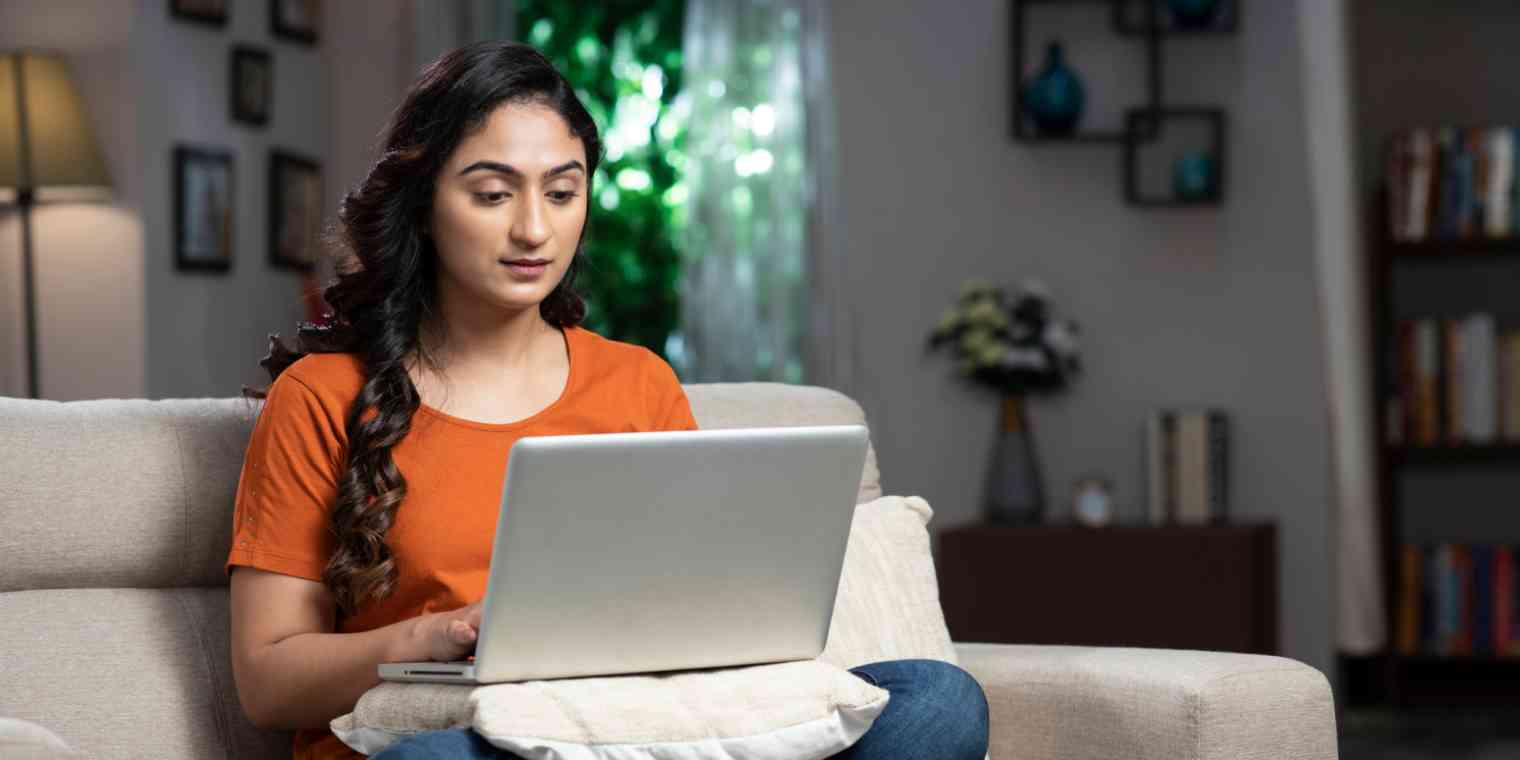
{"x": 624, "y": 59}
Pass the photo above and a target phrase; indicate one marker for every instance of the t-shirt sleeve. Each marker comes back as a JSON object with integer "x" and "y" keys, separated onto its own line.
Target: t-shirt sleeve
{"x": 670, "y": 408}
{"x": 288, "y": 484}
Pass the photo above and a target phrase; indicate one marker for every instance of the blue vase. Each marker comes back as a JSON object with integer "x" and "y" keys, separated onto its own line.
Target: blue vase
{"x": 1193, "y": 14}
{"x": 1054, "y": 99}
{"x": 1194, "y": 177}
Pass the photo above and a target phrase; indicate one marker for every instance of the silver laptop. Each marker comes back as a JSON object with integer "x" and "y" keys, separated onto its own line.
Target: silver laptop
{"x": 644, "y": 552}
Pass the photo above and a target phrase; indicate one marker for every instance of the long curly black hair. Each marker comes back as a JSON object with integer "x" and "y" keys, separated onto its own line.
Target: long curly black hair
{"x": 387, "y": 283}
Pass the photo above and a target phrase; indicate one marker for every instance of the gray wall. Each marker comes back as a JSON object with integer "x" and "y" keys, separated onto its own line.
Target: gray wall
{"x": 1212, "y": 307}
{"x": 117, "y": 320}
{"x": 88, "y": 257}
{"x": 207, "y": 331}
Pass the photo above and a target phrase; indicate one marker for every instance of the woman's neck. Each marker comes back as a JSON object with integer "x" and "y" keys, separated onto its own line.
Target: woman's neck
{"x": 488, "y": 341}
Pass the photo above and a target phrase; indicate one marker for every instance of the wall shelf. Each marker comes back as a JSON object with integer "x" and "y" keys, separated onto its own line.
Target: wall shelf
{"x": 1143, "y": 123}
{"x": 1130, "y": 19}
{"x": 1420, "y": 678}
{"x": 1446, "y": 249}
{"x": 1023, "y": 129}
{"x": 1456, "y": 454}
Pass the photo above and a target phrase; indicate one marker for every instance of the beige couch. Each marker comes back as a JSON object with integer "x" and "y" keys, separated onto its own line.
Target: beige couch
{"x": 115, "y": 517}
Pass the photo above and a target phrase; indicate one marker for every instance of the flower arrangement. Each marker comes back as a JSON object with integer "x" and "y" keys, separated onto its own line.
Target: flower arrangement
{"x": 1008, "y": 340}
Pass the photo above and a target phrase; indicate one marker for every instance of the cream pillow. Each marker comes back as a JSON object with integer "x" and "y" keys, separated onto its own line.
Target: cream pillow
{"x": 887, "y": 608}
{"x": 20, "y": 740}
{"x": 804, "y": 710}
{"x": 888, "y": 603}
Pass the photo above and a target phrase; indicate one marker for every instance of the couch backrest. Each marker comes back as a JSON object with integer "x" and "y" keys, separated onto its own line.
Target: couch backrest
{"x": 138, "y": 493}
{"x": 113, "y": 512}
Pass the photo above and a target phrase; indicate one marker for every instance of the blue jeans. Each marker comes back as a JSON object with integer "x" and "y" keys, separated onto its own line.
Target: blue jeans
{"x": 937, "y": 712}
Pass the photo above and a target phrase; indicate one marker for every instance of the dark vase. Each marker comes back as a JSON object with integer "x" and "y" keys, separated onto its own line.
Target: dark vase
{"x": 1015, "y": 493}
{"x": 1194, "y": 177}
{"x": 1193, "y": 14}
{"x": 1054, "y": 99}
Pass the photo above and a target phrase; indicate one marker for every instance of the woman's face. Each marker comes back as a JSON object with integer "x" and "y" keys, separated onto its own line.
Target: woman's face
{"x": 508, "y": 208}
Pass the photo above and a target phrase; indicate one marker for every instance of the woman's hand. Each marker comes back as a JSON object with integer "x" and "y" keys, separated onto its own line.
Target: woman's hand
{"x": 451, "y": 635}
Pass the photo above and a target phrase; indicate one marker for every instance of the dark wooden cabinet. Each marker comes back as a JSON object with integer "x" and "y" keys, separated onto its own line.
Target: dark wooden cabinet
{"x": 1208, "y": 587}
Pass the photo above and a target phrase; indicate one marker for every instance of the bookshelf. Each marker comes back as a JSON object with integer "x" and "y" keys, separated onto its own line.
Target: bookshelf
{"x": 1469, "y": 273}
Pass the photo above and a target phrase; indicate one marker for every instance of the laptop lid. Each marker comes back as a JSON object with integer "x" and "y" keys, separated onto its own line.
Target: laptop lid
{"x": 641, "y": 552}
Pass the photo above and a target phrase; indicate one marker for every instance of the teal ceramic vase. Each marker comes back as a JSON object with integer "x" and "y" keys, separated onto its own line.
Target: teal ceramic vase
{"x": 1054, "y": 98}
{"x": 1195, "y": 178}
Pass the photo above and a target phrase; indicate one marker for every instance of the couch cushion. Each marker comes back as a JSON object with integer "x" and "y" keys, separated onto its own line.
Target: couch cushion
{"x": 729, "y": 405}
{"x": 119, "y": 493}
{"x": 887, "y": 607}
{"x": 128, "y": 673}
{"x": 135, "y": 493}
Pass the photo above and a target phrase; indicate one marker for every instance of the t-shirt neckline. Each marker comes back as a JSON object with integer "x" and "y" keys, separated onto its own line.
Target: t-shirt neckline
{"x": 574, "y": 354}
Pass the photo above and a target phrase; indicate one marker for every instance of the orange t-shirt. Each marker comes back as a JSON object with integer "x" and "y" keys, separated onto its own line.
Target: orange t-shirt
{"x": 442, "y": 535}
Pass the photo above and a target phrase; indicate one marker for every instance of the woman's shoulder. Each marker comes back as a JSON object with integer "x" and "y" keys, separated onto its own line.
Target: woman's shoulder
{"x": 628, "y": 364}
{"x": 617, "y": 357}
{"x": 335, "y": 377}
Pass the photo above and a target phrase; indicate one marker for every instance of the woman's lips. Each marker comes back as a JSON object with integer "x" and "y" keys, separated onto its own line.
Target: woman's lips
{"x": 526, "y": 269}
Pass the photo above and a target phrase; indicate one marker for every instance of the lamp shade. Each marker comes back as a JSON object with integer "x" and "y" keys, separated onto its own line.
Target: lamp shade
{"x": 47, "y": 148}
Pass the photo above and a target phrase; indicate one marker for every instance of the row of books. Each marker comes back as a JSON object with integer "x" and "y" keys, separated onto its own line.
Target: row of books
{"x": 1187, "y": 466}
{"x": 1457, "y": 599}
{"x": 1452, "y": 183}
{"x": 1454, "y": 382}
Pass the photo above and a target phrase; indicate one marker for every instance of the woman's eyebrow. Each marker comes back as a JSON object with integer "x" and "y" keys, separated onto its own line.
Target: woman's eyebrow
{"x": 497, "y": 166}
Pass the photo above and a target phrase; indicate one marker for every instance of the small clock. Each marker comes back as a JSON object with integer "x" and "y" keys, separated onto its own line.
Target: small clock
{"x": 1092, "y": 501}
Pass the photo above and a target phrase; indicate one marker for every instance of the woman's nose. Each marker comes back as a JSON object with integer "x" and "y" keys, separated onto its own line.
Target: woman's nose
{"x": 530, "y": 224}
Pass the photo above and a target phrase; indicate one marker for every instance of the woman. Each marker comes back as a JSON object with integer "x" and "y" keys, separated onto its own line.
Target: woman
{"x": 367, "y": 502}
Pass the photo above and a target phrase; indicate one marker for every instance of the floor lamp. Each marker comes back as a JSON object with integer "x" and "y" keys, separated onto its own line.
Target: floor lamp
{"x": 48, "y": 153}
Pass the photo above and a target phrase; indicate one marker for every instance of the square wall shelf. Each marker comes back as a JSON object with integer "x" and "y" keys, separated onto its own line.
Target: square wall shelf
{"x": 1186, "y": 133}
{"x": 1028, "y": 50}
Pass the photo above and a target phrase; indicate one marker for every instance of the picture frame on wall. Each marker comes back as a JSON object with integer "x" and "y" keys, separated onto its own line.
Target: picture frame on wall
{"x": 252, "y": 85}
{"x": 295, "y": 211}
{"x": 296, "y": 20}
{"x": 210, "y": 12}
{"x": 204, "y": 192}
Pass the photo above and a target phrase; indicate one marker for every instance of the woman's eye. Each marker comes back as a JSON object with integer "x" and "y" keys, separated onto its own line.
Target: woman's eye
{"x": 492, "y": 198}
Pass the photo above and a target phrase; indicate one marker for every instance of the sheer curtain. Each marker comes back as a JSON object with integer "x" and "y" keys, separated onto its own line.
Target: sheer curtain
{"x": 1358, "y": 613}
{"x": 756, "y": 246}
{"x": 442, "y": 25}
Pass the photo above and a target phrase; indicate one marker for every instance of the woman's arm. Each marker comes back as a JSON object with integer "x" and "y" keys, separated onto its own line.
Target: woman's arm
{"x": 293, "y": 672}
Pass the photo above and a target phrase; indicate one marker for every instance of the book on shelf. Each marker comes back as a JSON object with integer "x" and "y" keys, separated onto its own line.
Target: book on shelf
{"x": 1187, "y": 466}
{"x": 1456, "y": 599}
{"x": 1453, "y": 382}
{"x": 1452, "y": 183}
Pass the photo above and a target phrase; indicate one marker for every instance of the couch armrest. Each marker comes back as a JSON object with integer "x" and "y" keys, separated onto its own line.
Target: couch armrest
{"x": 1082, "y": 703}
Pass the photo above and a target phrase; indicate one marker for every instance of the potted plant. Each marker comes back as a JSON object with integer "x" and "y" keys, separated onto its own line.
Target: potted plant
{"x": 1007, "y": 340}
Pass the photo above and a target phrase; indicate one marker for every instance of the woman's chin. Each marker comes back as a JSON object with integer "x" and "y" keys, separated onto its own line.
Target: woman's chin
{"x": 517, "y": 299}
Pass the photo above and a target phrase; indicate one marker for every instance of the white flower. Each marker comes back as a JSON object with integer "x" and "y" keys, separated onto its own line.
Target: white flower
{"x": 1060, "y": 338}
{"x": 1032, "y": 359}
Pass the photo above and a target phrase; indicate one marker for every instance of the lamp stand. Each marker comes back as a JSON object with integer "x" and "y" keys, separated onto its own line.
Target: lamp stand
{"x": 28, "y": 288}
